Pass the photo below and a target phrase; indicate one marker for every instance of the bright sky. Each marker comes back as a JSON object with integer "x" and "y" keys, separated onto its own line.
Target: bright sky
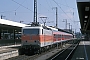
{"x": 22, "y": 10}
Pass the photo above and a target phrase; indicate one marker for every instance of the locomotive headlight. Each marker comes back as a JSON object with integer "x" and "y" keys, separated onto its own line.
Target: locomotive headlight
{"x": 36, "y": 41}
{"x": 26, "y": 40}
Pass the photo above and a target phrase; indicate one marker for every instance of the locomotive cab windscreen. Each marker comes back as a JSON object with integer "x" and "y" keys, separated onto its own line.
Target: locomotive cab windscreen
{"x": 31, "y": 31}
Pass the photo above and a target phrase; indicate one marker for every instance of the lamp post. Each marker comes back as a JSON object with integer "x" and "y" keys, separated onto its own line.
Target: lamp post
{"x": 21, "y": 21}
{"x": 65, "y": 20}
{"x": 2, "y": 16}
{"x": 56, "y": 16}
{"x": 69, "y": 26}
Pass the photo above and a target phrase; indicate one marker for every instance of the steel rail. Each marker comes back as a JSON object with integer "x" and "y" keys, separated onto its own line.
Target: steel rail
{"x": 71, "y": 52}
{"x": 61, "y": 52}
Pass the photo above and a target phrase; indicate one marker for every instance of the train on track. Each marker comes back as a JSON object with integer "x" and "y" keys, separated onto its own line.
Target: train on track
{"x": 36, "y": 39}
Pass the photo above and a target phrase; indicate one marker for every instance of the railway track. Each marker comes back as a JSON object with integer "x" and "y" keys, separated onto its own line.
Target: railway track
{"x": 33, "y": 57}
{"x": 18, "y": 57}
{"x": 24, "y": 57}
{"x": 64, "y": 54}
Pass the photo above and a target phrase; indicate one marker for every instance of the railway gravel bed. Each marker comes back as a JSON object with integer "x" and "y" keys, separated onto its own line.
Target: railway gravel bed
{"x": 42, "y": 56}
{"x": 65, "y": 54}
{"x": 24, "y": 57}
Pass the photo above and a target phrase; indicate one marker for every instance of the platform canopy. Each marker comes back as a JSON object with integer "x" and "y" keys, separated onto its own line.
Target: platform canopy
{"x": 10, "y": 26}
{"x": 84, "y": 15}
{"x": 11, "y": 23}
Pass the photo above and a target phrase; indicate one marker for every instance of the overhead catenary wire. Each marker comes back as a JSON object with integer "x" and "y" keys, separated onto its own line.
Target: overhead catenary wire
{"x": 22, "y": 5}
{"x": 7, "y": 11}
{"x": 46, "y": 8}
{"x": 70, "y": 10}
{"x": 62, "y": 9}
{"x": 19, "y": 5}
{"x": 72, "y": 13}
{"x": 49, "y": 5}
{"x": 68, "y": 6}
{"x": 49, "y": 11}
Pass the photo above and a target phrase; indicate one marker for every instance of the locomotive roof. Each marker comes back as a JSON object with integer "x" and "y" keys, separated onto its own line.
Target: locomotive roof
{"x": 64, "y": 31}
{"x": 49, "y": 27}
{"x": 58, "y": 29}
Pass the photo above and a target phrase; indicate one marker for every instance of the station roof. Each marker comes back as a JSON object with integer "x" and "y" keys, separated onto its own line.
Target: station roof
{"x": 84, "y": 15}
{"x": 9, "y": 26}
{"x": 11, "y": 23}
{"x": 83, "y": 0}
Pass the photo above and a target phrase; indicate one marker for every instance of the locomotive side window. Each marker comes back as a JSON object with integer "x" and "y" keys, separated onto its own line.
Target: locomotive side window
{"x": 60, "y": 36}
{"x": 31, "y": 31}
{"x": 42, "y": 31}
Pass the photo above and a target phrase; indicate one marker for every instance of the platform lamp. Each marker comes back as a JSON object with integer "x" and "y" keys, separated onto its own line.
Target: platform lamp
{"x": 21, "y": 21}
{"x": 69, "y": 26}
{"x": 2, "y": 16}
{"x": 65, "y": 20}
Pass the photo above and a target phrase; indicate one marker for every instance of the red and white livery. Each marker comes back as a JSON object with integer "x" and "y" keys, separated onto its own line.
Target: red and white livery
{"x": 38, "y": 38}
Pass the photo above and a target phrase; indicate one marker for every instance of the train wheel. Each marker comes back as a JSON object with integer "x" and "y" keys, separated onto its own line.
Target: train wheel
{"x": 21, "y": 52}
{"x": 42, "y": 50}
{"x": 38, "y": 51}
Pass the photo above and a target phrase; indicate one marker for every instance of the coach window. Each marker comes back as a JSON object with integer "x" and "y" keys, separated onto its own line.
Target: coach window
{"x": 59, "y": 36}
{"x": 65, "y": 36}
{"x": 54, "y": 35}
{"x": 62, "y": 36}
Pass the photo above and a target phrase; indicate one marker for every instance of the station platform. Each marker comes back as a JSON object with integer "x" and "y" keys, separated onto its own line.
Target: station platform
{"x": 8, "y": 52}
{"x": 82, "y": 52}
{"x": 16, "y": 45}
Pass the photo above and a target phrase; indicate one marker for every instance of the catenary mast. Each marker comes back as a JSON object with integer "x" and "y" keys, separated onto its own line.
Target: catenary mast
{"x": 35, "y": 11}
